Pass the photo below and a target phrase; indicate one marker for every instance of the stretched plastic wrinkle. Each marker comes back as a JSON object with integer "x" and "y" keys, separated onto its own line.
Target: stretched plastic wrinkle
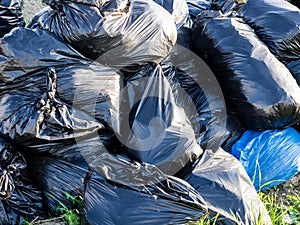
{"x": 128, "y": 32}
{"x": 225, "y": 186}
{"x": 198, "y": 6}
{"x": 260, "y": 89}
{"x": 197, "y": 91}
{"x": 270, "y": 157}
{"x": 26, "y": 51}
{"x": 58, "y": 180}
{"x": 92, "y": 88}
{"x": 177, "y": 8}
{"x": 228, "y": 7}
{"x": 34, "y": 118}
{"x": 130, "y": 193}
{"x": 20, "y": 200}
{"x": 97, "y": 3}
{"x": 10, "y": 16}
{"x": 277, "y": 24}
{"x": 154, "y": 129}
{"x": 88, "y": 86}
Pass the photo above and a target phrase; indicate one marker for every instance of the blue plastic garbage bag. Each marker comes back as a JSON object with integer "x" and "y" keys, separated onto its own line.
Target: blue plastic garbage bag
{"x": 270, "y": 157}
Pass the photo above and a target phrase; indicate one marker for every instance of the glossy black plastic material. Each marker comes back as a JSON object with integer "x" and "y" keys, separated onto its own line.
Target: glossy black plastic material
{"x": 277, "y": 24}
{"x": 34, "y": 118}
{"x": 294, "y": 67}
{"x": 225, "y": 6}
{"x": 81, "y": 83}
{"x": 122, "y": 191}
{"x": 295, "y": 3}
{"x": 20, "y": 200}
{"x": 126, "y": 192}
{"x": 198, "y": 6}
{"x": 128, "y": 32}
{"x": 177, "y": 8}
{"x": 197, "y": 91}
{"x": 171, "y": 201}
{"x": 35, "y": 50}
{"x": 261, "y": 90}
{"x": 154, "y": 129}
{"x": 10, "y": 16}
{"x": 224, "y": 184}
{"x": 60, "y": 182}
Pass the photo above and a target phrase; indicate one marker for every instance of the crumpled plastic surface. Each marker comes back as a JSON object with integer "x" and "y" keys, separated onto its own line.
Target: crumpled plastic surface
{"x": 120, "y": 33}
{"x": 178, "y": 9}
{"x": 197, "y": 91}
{"x": 112, "y": 191}
{"x": 29, "y": 90}
{"x": 198, "y": 6}
{"x": 227, "y": 7}
{"x": 118, "y": 175}
{"x": 88, "y": 86}
{"x": 32, "y": 117}
{"x": 171, "y": 201}
{"x": 10, "y": 16}
{"x": 58, "y": 179}
{"x": 216, "y": 177}
{"x": 277, "y": 24}
{"x": 270, "y": 157}
{"x": 154, "y": 129}
{"x": 35, "y": 49}
{"x": 20, "y": 200}
{"x": 260, "y": 89}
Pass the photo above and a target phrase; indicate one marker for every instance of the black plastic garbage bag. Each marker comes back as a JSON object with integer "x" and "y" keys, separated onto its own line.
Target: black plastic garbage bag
{"x": 81, "y": 83}
{"x": 259, "y": 88}
{"x": 228, "y": 7}
{"x": 129, "y": 32}
{"x": 61, "y": 183}
{"x": 10, "y": 16}
{"x": 197, "y": 91}
{"x": 93, "y": 88}
{"x": 33, "y": 118}
{"x": 53, "y": 129}
{"x": 198, "y": 6}
{"x": 277, "y": 24}
{"x": 170, "y": 202}
{"x": 126, "y": 192}
{"x": 26, "y": 51}
{"x": 20, "y": 200}
{"x": 224, "y": 184}
{"x": 178, "y": 9}
{"x": 154, "y": 129}
{"x": 130, "y": 193}
{"x": 294, "y": 67}
{"x": 295, "y": 3}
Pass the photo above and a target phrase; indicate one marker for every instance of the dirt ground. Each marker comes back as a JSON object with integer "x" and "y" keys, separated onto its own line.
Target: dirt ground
{"x": 291, "y": 187}
{"x": 30, "y": 8}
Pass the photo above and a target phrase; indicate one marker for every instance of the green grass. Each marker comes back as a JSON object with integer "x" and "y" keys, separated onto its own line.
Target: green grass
{"x": 281, "y": 213}
{"x": 70, "y": 216}
{"x": 276, "y": 209}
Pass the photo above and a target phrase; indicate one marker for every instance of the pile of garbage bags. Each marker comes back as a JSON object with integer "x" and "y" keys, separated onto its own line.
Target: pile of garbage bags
{"x": 141, "y": 111}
